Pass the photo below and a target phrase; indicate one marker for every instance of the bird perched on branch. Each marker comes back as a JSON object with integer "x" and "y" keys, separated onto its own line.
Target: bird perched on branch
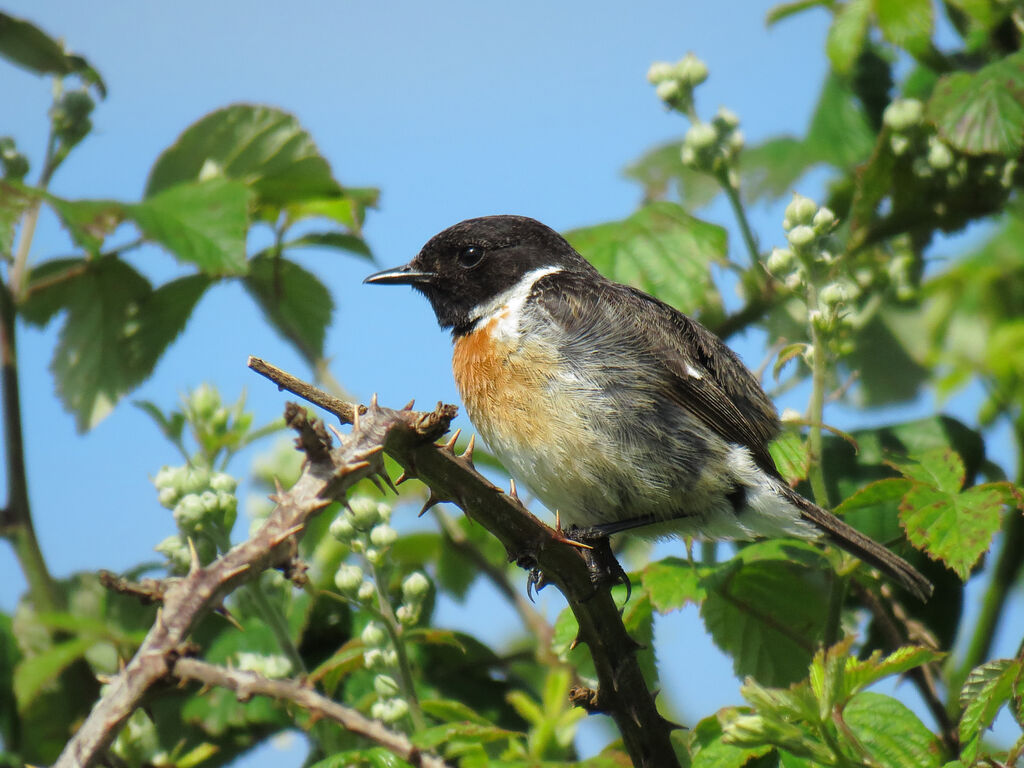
{"x": 618, "y": 411}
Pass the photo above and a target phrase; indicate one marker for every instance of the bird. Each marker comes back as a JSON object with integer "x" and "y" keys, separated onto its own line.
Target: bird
{"x": 618, "y": 411}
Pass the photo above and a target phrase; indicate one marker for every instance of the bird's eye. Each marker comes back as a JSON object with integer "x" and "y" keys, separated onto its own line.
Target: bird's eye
{"x": 470, "y": 256}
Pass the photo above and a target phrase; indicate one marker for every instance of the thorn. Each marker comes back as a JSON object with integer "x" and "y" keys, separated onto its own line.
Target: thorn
{"x": 383, "y": 475}
{"x": 235, "y": 572}
{"x": 193, "y": 557}
{"x": 105, "y": 679}
{"x": 408, "y": 406}
{"x": 337, "y": 434}
{"x": 575, "y": 642}
{"x": 451, "y": 441}
{"x": 278, "y": 489}
{"x": 354, "y": 467}
{"x": 468, "y": 453}
{"x": 229, "y": 617}
{"x": 432, "y": 500}
{"x": 376, "y": 482}
{"x": 402, "y": 478}
{"x": 355, "y": 418}
{"x": 512, "y": 488}
{"x": 277, "y": 539}
{"x": 373, "y": 402}
{"x": 370, "y": 452}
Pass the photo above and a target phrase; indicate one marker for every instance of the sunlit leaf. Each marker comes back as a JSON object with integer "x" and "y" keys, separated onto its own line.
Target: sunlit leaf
{"x": 847, "y": 35}
{"x": 28, "y": 46}
{"x": 987, "y": 689}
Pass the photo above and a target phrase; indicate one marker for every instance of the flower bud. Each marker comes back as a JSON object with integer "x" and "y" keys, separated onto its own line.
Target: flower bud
{"x": 222, "y": 481}
{"x": 168, "y": 497}
{"x": 726, "y": 119}
{"x": 801, "y": 236}
{"x": 700, "y": 136}
{"x": 415, "y": 587}
{"x": 823, "y": 220}
{"x": 385, "y": 685}
{"x": 373, "y": 635}
{"x": 801, "y": 210}
{"x": 940, "y": 157}
{"x": 364, "y": 513}
{"x": 341, "y": 528}
{"x": 373, "y": 658}
{"x": 407, "y": 614}
{"x": 903, "y": 114}
{"x": 668, "y": 90}
{"x": 899, "y": 144}
{"x": 659, "y": 72}
{"x": 383, "y": 536}
{"x": 176, "y": 551}
{"x": 373, "y": 556}
{"x": 203, "y": 401}
{"x": 779, "y": 260}
{"x": 691, "y": 70}
{"x": 367, "y": 591}
{"x": 348, "y": 579}
{"x": 190, "y": 512}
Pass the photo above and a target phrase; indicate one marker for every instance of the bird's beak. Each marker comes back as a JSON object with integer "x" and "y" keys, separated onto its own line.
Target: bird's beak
{"x": 404, "y": 275}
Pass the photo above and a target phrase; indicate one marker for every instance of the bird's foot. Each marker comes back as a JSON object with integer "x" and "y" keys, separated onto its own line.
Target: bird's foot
{"x": 596, "y": 549}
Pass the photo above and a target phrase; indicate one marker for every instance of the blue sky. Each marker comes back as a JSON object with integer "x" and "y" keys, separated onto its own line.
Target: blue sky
{"x": 453, "y": 109}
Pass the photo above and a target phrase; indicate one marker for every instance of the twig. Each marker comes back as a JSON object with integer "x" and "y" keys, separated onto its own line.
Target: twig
{"x": 340, "y": 408}
{"x": 248, "y": 684}
{"x": 327, "y": 475}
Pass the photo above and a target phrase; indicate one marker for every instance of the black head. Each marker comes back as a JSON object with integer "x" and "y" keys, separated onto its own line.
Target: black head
{"x": 472, "y": 262}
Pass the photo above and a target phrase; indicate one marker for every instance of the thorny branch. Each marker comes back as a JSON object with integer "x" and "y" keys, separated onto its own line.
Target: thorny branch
{"x": 319, "y": 707}
{"x": 623, "y": 693}
{"x": 327, "y": 475}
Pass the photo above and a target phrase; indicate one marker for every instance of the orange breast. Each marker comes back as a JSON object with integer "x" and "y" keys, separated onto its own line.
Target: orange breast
{"x": 505, "y": 387}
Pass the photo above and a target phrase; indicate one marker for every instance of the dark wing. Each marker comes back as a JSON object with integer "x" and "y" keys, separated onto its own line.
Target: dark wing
{"x": 703, "y": 376}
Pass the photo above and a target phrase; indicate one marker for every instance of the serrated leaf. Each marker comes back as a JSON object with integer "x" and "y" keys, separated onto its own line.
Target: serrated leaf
{"x": 906, "y": 23}
{"x": 204, "y": 223}
{"x": 952, "y": 526}
{"x": 861, "y": 673}
{"x": 891, "y": 733}
{"x": 660, "y": 249}
{"x": 294, "y": 302}
{"x": 888, "y": 491}
{"x": 791, "y": 455}
{"x": 428, "y": 738}
{"x": 839, "y": 133}
{"x": 750, "y": 614}
{"x": 171, "y": 425}
{"x": 88, "y": 221}
{"x": 847, "y": 35}
{"x": 661, "y": 168}
{"x": 449, "y": 710}
{"x": 983, "y": 112}
{"x": 374, "y": 757}
{"x": 34, "y": 673}
{"x": 785, "y": 10}
{"x": 28, "y": 46}
{"x": 985, "y": 691}
{"x": 772, "y": 168}
{"x": 116, "y": 328}
{"x": 263, "y": 147}
{"x": 339, "y": 240}
{"x": 672, "y": 583}
{"x": 13, "y": 203}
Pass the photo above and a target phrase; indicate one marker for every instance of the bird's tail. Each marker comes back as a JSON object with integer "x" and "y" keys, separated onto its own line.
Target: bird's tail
{"x": 856, "y": 543}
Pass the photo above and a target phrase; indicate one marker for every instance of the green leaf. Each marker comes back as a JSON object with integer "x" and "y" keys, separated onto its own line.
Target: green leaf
{"x": 881, "y": 492}
{"x": 263, "y": 147}
{"x": 116, "y": 327}
{"x": 891, "y": 733}
{"x": 660, "y": 249}
{"x": 661, "y": 168}
{"x": 985, "y": 691}
{"x": 861, "y": 673}
{"x": 983, "y": 112}
{"x": 906, "y": 23}
{"x": 709, "y": 751}
{"x": 672, "y": 583}
{"x": 340, "y": 240}
{"x": 839, "y": 133}
{"x": 751, "y": 615}
{"x": 28, "y": 46}
{"x": 204, "y": 223}
{"x": 791, "y": 455}
{"x": 36, "y": 672}
{"x": 785, "y": 10}
{"x": 171, "y": 425}
{"x": 952, "y": 526}
{"x": 847, "y": 35}
{"x": 884, "y": 357}
{"x": 9, "y": 657}
{"x": 449, "y": 710}
{"x": 13, "y": 203}
{"x": 349, "y": 211}
{"x": 430, "y": 738}
{"x": 294, "y": 302}
{"x": 771, "y": 169}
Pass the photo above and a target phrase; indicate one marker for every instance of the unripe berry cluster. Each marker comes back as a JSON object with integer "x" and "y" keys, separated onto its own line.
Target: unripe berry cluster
{"x": 674, "y": 83}
{"x": 204, "y": 506}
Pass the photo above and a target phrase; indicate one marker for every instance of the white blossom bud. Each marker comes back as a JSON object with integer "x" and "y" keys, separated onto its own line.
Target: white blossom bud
{"x": 373, "y": 635}
{"x": 801, "y": 236}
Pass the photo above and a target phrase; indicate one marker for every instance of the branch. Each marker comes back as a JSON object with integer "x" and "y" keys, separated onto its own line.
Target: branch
{"x": 327, "y": 475}
{"x": 249, "y": 684}
{"x": 623, "y": 692}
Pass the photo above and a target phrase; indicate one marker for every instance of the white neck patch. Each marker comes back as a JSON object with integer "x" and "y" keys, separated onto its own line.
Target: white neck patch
{"x": 507, "y": 305}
